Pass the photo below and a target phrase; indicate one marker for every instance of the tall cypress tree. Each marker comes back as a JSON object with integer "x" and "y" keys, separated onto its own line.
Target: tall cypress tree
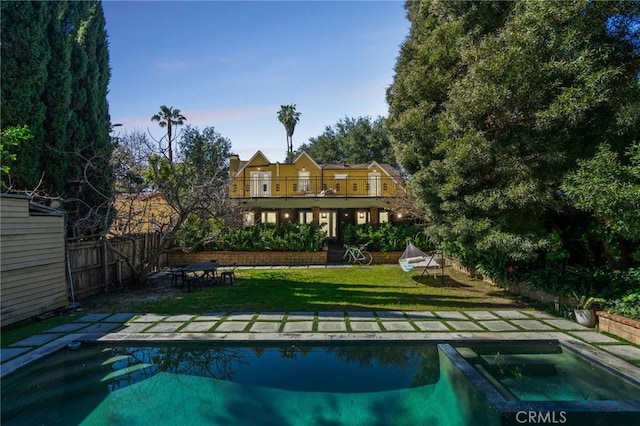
{"x": 57, "y": 97}
{"x": 92, "y": 141}
{"x": 25, "y": 55}
{"x": 55, "y": 76}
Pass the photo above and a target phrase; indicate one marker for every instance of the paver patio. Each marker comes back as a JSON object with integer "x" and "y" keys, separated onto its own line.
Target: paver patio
{"x": 489, "y": 325}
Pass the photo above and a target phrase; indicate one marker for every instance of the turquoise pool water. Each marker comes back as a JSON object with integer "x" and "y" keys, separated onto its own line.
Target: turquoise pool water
{"x": 260, "y": 385}
{"x": 341, "y": 384}
{"x": 545, "y": 372}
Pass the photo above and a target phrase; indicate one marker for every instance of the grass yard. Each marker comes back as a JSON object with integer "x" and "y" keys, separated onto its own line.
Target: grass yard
{"x": 360, "y": 288}
{"x": 378, "y": 287}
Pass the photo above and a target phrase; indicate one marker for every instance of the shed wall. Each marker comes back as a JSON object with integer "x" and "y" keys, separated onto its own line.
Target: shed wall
{"x": 32, "y": 262}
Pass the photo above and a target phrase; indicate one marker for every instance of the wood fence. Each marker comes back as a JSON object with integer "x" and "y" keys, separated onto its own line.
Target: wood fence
{"x": 95, "y": 268}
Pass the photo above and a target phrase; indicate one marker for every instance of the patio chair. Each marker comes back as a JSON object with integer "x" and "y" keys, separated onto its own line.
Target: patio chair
{"x": 230, "y": 274}
{"x": 176, "y": 274}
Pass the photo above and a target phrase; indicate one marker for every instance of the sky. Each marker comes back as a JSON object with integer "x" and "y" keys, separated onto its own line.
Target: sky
{"x": 231, "y": 65}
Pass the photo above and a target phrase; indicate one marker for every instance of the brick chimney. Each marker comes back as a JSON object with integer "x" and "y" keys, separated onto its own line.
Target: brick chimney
{"x": 234, "y": 164}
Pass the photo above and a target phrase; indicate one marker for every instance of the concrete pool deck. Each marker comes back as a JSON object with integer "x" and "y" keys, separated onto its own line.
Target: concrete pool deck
{"x": 390, "y": 326}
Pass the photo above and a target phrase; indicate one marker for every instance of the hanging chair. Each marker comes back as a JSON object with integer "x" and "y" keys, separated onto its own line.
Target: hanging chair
{"x": 413, "y": 258}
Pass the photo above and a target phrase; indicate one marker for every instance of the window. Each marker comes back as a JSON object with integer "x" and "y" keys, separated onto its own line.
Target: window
{"x": 362, "y": 217}
{"x": 384, "y": 217}
{"x": 260, "y": 184}
{"x": 304, "y": 181}
{"x": 374, "y": 185}
{"x": 305, "y": 217}
{"x": 269, "y": 217}
{"x": 248, "y": 219}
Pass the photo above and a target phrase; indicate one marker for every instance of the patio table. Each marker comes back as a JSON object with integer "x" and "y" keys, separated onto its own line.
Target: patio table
{"x": 208, "y": 270}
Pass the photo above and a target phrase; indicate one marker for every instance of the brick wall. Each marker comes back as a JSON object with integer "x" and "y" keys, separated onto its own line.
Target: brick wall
{"x": 269, "y": 258}
{"x": 623, "y": 327}
{"x": 383, "y": 257}
{"x": 250, "y": 258}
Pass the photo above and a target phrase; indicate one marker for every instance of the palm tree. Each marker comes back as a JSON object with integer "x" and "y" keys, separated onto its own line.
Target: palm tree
{"x": 289, "y": 117}
{"x": 169, "y": 117}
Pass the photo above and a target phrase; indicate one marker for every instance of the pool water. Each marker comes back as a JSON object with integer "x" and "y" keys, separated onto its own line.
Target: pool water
{"x": 546, "y": 372}
{"x": 339, "y": 384}
{"x": 260, "y": 385}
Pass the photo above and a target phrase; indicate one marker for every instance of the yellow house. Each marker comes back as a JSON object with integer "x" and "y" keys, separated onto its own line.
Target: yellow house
{"x": 142, "y": 213}
{"x": 332, "y": 195}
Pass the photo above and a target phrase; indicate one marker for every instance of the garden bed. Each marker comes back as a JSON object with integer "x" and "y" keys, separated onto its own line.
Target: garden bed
{"x": 620, "y": 326}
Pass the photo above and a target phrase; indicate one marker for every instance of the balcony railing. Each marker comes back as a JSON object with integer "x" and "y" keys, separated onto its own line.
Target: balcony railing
{"x": 314, "y": 187}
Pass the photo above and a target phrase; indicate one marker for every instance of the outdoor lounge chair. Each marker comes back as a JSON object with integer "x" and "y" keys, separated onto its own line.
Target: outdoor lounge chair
{"x": 413, "y": 258}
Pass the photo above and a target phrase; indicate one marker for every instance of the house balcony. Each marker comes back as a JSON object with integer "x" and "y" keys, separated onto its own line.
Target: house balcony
{"x": 317, "y": 188}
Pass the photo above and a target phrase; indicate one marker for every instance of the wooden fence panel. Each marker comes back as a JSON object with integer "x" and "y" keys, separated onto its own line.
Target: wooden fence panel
{"x": 96, "y": 268}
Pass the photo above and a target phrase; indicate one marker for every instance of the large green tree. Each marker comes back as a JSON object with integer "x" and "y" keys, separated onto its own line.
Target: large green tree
{"x": 57, "y": 97}
{"x": 609, "y": 189}
{"x": 493, "y": 103}
{"x": 25, "y": 55}
{"x": 352, "y": 140}
{"x": 55, "y": 75}
{"x": 194, "y": 185}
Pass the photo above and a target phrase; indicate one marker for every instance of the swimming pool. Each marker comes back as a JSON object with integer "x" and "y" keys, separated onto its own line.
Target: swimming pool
{"x": 270, "y": 384}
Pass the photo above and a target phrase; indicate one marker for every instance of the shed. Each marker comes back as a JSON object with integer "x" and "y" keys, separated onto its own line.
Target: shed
{"x": 32, "y": 259}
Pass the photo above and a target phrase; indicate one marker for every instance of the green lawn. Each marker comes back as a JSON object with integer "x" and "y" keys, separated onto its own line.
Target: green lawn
{"x": 379, "y": 287}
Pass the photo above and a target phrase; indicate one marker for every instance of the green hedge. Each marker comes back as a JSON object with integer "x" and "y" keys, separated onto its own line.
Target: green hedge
{"x": 386, "y": 237}
{"x": 628, "y": 306}
{"x": 283, "y": 237}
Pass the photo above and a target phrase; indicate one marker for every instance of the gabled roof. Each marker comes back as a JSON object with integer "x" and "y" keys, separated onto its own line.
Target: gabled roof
{"x": 258, "y": 159}
{"x": 303, "y": 153}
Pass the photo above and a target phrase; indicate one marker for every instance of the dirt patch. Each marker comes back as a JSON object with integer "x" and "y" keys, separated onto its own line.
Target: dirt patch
{"x": 158, "y": 288}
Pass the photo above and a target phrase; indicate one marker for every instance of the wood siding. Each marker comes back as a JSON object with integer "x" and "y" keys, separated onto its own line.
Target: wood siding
{"x": 32, "y": 262}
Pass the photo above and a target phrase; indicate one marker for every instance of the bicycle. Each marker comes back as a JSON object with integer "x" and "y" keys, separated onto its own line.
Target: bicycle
{"x": 357, "y": 254}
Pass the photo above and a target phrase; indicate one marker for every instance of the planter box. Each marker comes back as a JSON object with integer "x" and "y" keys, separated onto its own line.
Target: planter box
{"x": 620, "y": 326}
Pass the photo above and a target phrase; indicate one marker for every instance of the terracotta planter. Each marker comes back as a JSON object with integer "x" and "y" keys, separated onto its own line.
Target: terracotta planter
{"x": 620, "y": 326}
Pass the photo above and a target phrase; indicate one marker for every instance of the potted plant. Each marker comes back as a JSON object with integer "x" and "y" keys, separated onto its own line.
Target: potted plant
{"x": 584, "y": 312}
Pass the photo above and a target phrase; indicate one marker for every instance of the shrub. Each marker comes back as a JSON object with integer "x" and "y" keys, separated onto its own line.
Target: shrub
{"x": 627, "y": 306}
{"x": 386, "y": 236}
{"x": 282, "y": 237}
